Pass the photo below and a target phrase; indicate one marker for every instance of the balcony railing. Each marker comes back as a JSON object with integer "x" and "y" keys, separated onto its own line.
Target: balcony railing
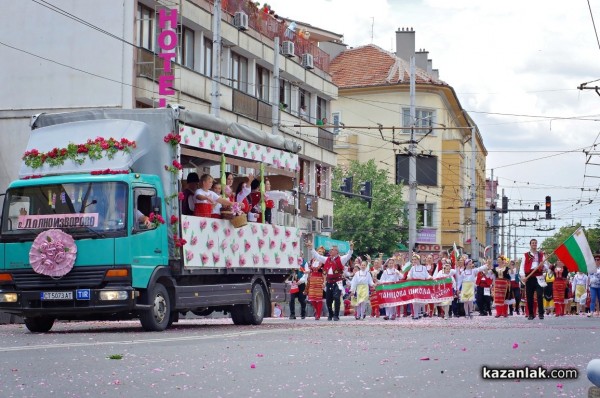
{"x": 252, "y": 107}
{"x": 268, "y": 26}
{"x": 326, "y": 139}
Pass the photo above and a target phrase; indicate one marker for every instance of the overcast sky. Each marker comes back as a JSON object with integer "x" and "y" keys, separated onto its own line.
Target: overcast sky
{"x": 515, "y": 66}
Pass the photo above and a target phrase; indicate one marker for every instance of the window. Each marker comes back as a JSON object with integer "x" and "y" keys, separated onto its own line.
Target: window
{"x": 304, "y": 103}
{"x": 285, "y": 95}
{"x": 336, "y": 120}
{"x": 426, "y": 170}
{"x": 146, "y": 202}
{"x": 262, "y": 83}
{"x": 239, "y": 72}
{"x": 145, "y": 28}
{"x": 424, "y": 214}
{"x": 321, "y": 108}
{"x": 322, "y": 180}
{"x": 186, "y": 56}
{"x": 208, "y": 57}
{"x": 423, "y": 118}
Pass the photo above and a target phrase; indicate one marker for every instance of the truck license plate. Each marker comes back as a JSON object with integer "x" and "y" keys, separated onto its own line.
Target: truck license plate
{"x": 57, "y": 295}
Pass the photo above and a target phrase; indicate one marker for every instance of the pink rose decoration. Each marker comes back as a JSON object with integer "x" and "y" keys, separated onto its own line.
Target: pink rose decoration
{"x": 189, "y": 255}
{"x": 186, "y": 224}
{"x": 194, "y": 240}
{"x": 216, "y": 257}
{"x": 240, "y": 232}
{"x": 291, "y": 260}
{"x": 256, "y": 259}
{"x": 202, "y": 224}
{"x": 265, "y": 259}
{"x": 210, "y": 244}
{"x": 228, "y": 262}
{"x": 275, "y": 230}
{"x": 282, "y": 246}
{"x": 227, "y": 232}
{"x": 265, "y": 231}
{"x": 271, "y": 244}
{"x": 235, "y": 247}
{"x": 224, "y": 245}
{"x": 53, "y": 253}
{"x": 242, "y": 261}
{"x": 261, "y": 243}
{"x": 247, "y": 245}
{"x": 277, "y": 259}
{"x": 294, "y": 244}
{"x": 215, "y": 226}
{"x": 253, "y": 228}
{"x": 204, "y": 258}
{"x": 288, "y": 233}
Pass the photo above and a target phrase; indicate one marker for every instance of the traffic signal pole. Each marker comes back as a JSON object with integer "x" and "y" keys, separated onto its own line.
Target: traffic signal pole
{"x": 412, "y": 166}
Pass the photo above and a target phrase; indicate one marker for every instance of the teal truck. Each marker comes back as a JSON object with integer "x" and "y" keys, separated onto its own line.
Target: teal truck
{"x": 93, "y": 230}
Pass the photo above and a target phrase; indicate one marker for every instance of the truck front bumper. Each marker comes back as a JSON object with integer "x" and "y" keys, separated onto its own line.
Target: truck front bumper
{"x": 70, "y": 303}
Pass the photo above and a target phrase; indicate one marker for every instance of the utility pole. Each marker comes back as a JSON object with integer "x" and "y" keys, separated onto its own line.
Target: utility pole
{"x": 412, "y": 166}
{"x": 502, "y": 233}
{"x": 275, "y": 95}
{"x": 493, "y": 216}
{"x": 474, "y": 244}
{"x": 215, "y": 101}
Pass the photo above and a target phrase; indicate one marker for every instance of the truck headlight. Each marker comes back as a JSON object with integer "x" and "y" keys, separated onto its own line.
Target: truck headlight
{"x": 112, "y": 295}
{"x": 8, "y": 297}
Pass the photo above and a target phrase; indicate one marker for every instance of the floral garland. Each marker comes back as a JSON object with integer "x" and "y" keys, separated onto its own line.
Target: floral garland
{"x": 173, "y": 139}
{"x": 92, "y": 149}
{"x": 53, "y": 253}
{"x": 108, "y": 171}
{"x": 156, "y": 220}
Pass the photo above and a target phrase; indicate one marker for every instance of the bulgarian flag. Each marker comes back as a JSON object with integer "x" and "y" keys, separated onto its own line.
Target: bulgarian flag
{"x": 454, "y": 254}
{"x": 575, "y": 252}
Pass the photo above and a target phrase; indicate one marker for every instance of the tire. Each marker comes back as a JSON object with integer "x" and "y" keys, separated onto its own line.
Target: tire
{"x": 255, "y": 312}
{"x": 157, "y": 318}
{"x": 238, "y": 314}
{"x": 39, "y": 324}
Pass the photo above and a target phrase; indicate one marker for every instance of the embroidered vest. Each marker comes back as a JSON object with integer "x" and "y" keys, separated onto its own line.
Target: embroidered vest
{"x": 336, "y": 267}
{"x": 529, "y": 262}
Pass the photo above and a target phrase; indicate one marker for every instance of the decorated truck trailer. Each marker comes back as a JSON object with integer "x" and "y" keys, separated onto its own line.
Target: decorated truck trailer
{"x": 73, "y": 245}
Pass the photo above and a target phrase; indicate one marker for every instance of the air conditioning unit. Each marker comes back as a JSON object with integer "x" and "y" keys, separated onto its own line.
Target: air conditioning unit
{"x": 307, "y": 61}
{"x": 240, "y": 20}
{"x": 315, "y": 226}
{"x": 287, "y": 49}
{"x": 327, "y": 222}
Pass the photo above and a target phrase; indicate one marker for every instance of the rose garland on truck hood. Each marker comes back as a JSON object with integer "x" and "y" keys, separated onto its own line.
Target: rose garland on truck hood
{"x": 92, "y": 149}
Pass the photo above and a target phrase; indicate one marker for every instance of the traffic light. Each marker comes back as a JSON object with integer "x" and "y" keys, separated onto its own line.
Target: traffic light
{"x": 504, "y": 204}
{"x": 548, "y": 208}
{"x": 346, "y": 185}
{"x": 367, "y": 190}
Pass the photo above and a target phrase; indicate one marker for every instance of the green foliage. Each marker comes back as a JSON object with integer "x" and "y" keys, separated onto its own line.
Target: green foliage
{"x": 115, "y": 356}
{"x": 550, "y": 244}
{"x": 374, "y": 230}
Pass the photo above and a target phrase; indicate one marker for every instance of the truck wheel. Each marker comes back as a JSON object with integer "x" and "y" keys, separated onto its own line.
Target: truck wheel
{"x": 39, "y": 324}
{"x": 156, "y": 319}
{"x": 238, "y": 314}
{"x": 256, "y": 309}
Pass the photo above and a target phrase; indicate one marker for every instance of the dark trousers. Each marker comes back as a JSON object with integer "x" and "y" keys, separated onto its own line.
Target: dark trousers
{"x": 516, "y": 292}
{"x": 301, "y": 298}
{"x": 531, "y": 287}
{"x": 484, "y": 303}
{"x": 332, "y": 299}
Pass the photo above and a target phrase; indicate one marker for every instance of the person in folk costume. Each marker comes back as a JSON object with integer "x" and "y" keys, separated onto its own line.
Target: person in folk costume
{"x": 483, "y": 295}
{"x": 315, "y": 284}
{"x": 501, "y": 287}
{"x": 241, "y": 195}
{"x": 361, "y": 282}
{"x": 458, "y": 307}
{"x": 229, "y": 193}
{"x": 532, "y": 267}
{"x": 205, "y": 198}
{"x": 431, "y": 269}
{"x": 594, "y": 280}
{"x": 443, "y": 257}
{"x": 447, "y": 272}
{"x": 417, "y": 272}
{"x": 373, "y": 298}
{"x": 390, "y": 274}
{"x": 558, "y": 287}
{"x": 297, "y": 282}
{"x": 515, "y": 288}
{"x": 334, "y": 274}
{"x": 468, "y": 275}
{"x": 549, "y": 291}
{"x": 579, "y": 288}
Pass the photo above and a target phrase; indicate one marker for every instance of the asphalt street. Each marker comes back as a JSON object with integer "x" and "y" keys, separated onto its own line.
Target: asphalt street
{"x": 300, "y": 358}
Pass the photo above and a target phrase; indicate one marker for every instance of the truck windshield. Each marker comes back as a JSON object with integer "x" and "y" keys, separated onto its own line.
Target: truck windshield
{"x": 96, "y": 207}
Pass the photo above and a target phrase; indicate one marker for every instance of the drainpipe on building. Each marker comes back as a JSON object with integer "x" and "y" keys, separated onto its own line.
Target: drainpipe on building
{"x": 215, "y": 100}
{"x": 275, "y": 95}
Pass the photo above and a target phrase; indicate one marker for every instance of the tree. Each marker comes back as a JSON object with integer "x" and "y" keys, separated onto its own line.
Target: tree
{"x": 374, "y": 230}
{"x": 550, "y": 244}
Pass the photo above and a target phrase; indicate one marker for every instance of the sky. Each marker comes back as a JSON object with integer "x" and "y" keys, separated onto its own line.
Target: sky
{"x": 516, "y": 67}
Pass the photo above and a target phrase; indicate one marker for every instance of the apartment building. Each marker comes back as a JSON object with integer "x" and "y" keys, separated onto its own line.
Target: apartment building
{"x": 247, "y": 66}
{"x": 374, "y": 104}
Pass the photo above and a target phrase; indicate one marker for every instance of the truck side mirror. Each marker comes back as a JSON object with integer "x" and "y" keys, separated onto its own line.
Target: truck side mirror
{"x": 155, "y": 201}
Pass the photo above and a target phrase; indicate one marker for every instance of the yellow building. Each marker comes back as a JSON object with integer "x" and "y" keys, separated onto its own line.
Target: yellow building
{"x": 373, "y": 90}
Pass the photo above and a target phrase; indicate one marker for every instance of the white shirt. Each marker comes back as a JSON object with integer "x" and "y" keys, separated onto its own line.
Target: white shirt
{"x": 418, "y": 271}
{"x": 534, "y": 263}
{"x": 442, "y": 274}
{"x": 209, "y": 194}
{"x": 361, "y": 278}
{"x": 390, "y": 275}
{"x": 344, "y": 259}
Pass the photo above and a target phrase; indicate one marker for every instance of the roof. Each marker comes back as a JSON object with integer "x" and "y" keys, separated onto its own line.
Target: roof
{"x": 371, "y": 65}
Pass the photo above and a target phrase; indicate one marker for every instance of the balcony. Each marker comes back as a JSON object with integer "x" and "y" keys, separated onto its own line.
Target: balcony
{"x": 252, "y": 107}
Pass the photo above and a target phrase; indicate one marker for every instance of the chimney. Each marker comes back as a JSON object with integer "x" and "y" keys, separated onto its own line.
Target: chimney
{"x": 405, "y": 43}
{"x": 421, "y": 59}
{"x": 436, "y": 74}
